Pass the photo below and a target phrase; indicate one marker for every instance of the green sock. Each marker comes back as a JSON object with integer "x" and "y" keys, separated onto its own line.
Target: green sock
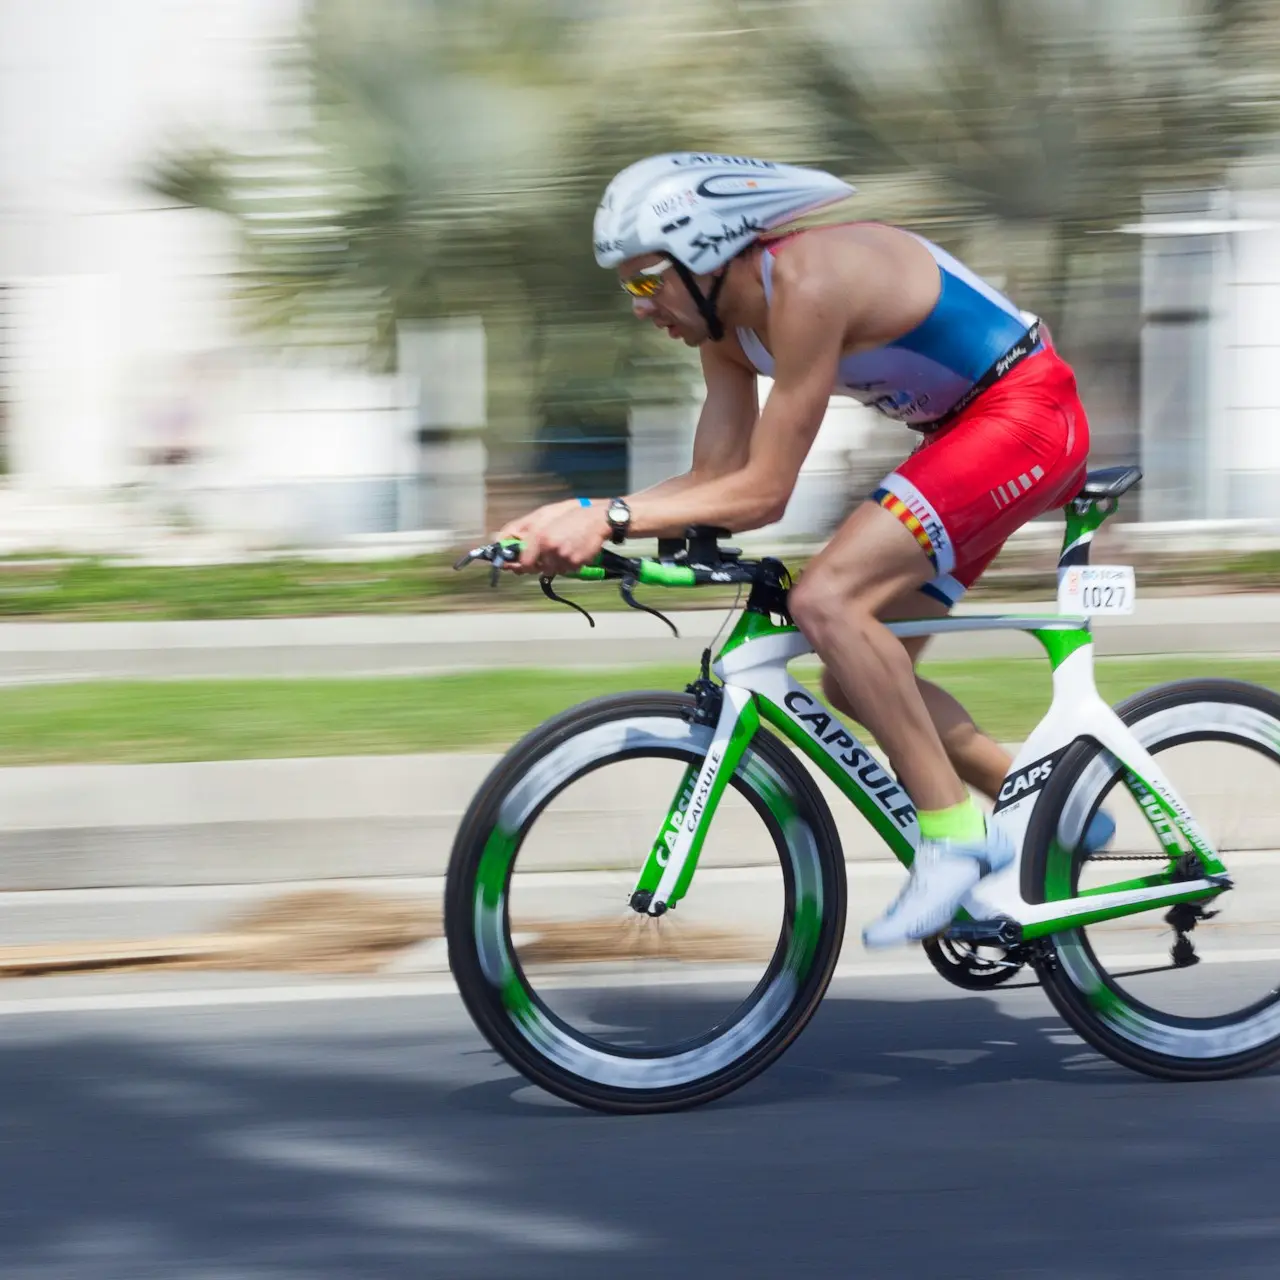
{"x": 963, "y": 822}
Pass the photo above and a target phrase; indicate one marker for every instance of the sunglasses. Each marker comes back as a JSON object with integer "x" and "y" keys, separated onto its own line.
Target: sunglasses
{"x": 647, "y": 281}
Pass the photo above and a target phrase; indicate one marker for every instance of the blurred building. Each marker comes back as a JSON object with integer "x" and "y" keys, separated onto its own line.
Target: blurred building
{"x": 1210, "y": 393}
{"x": 131, "y": 397}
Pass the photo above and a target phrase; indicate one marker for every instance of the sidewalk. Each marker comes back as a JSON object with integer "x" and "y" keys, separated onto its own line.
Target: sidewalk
{"x": 385, "y": 645}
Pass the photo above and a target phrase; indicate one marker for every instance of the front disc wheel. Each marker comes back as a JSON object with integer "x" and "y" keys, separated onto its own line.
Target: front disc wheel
{"x": 609, "y": 1007}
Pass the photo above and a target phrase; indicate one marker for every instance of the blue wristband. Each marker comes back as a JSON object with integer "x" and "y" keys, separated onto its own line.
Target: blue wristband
{"x": 584, "y": 502}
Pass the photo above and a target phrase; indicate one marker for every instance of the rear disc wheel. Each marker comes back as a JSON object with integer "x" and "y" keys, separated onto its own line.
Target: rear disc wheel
{"x": 1125, "y": 985}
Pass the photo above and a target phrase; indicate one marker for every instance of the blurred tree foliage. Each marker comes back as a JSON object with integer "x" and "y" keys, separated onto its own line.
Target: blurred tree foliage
{"x": 1047, "y": 121}
{"x": 450, "y": 161}
{"x": 445, "y": 156}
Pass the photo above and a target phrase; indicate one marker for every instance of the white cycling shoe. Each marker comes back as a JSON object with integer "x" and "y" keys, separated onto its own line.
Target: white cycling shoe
{"x": 942, "y": 875}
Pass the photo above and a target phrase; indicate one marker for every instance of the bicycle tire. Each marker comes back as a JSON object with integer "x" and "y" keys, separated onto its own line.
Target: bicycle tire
{"x": 1097, "y": 1008}
{"x": 506, "y": 1009}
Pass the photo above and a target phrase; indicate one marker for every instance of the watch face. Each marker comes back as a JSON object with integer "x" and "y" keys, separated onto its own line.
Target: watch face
{"x": 618, "y": 514}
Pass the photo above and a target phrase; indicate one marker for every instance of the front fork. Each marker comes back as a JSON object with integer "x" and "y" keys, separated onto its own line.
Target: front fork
{"x": 669, "y": 868}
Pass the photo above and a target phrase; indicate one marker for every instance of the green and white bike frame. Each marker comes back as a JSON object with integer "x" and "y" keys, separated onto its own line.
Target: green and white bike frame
{"x": 757, "y": 687}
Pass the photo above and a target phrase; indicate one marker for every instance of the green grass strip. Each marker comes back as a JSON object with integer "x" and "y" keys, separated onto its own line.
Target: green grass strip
{"x": 90, "y": 590}
{"x": 66, "y": 588}
{"x": 143, "y": 722}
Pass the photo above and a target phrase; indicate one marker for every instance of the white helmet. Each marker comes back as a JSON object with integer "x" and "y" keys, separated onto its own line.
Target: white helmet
{"x": 701, "y": 210}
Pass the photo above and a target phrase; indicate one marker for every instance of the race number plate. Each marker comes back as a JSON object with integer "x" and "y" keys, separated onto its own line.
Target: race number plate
{"x": 1096, "y": 588}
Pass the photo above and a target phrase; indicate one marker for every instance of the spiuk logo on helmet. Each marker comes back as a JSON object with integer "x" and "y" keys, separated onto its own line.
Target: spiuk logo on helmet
{"x": 703, "y": 208}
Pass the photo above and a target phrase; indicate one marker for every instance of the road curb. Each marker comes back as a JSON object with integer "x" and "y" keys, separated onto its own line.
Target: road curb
{"x": 264, "y": 821}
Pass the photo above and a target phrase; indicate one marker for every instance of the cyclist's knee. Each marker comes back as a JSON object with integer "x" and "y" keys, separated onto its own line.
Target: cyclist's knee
{"x": 821, "y": 603}
{"x": 854, "y": 581}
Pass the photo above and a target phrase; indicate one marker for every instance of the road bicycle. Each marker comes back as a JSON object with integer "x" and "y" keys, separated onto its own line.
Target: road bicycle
{"x": 568, "y": 1007}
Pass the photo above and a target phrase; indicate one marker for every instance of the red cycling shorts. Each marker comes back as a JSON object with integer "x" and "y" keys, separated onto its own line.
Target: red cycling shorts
{"x": 1016, "y": 452}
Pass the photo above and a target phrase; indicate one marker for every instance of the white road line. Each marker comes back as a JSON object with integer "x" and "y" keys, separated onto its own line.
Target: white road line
{"x": 122, "y": 1000}
{"x": 215, "y": 892}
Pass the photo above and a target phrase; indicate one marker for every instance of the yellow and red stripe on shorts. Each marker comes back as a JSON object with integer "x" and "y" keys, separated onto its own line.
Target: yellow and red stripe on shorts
{"x": 896, "y": 507}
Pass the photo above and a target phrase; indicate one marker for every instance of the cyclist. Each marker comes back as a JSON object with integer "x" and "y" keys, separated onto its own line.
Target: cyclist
{"x": 766, "y": 268}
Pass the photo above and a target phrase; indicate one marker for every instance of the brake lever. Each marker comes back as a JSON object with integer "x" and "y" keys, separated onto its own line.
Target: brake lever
{"x": 625, "y": 590}
{"x": 545, "y": 583}
{"x": 477, "y": 553}
{"x": 497, "y": 553}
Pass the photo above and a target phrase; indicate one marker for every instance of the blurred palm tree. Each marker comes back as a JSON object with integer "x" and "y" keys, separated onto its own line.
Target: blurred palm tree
{"x": 446, "y": 159}
{"x": 1053, "y": 121}
{"x": 1022, "y": 133}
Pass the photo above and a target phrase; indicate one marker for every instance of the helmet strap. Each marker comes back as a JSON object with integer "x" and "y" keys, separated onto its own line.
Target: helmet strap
{"x": 706, "y": 303}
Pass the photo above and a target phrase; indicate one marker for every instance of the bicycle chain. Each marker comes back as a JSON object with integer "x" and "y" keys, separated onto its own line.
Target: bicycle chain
{"x": 1127, "y": 857}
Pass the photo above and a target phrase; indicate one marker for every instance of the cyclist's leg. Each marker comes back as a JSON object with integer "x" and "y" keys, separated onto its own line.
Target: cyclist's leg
{"x": 874, "y": 559}
{"x": 1019, "y": 451}
{"x": 981, "y": 762}
{"x": 962, "y": 511}
{"x": 838, "y": 602}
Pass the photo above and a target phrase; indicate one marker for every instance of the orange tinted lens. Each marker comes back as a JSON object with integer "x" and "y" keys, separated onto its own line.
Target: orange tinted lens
{"x": 642, "y": 286}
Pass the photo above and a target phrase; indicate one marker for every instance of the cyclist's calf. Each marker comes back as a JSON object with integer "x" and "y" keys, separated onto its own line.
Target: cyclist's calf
{"x": 980, "y": 761}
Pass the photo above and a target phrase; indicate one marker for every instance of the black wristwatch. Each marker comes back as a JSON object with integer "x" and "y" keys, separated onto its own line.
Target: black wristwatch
{"x": 618, "y": 514}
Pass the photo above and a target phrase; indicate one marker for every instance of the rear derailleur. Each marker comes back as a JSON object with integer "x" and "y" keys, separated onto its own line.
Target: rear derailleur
{"x": 1182, "y": 917}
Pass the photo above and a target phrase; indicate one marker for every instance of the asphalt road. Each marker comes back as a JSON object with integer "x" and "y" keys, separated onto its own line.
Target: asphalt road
{"x": 911, "y": 1131}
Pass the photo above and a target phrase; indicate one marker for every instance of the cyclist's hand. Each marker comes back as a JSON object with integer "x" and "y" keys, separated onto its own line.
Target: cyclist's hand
{"x": 563, "y": 539}
{"x": 530, "y": 530}
{"x": 523, "y": 530}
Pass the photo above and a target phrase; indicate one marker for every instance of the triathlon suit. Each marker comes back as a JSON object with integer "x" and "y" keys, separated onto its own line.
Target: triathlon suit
{"x": 1005, "y": 435}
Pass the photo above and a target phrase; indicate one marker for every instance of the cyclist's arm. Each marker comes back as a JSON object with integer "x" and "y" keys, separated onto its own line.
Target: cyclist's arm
{"x": 720, "y": 442}
{"x": 723, "y": 434}
{"x": 807, "y": 325}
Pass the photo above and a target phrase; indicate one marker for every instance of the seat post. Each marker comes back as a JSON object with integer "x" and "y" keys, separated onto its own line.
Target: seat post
{"x": 1084, "y": 518}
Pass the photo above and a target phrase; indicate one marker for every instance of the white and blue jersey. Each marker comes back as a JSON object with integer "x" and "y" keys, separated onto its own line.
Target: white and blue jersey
{"x": 919, "y": 377}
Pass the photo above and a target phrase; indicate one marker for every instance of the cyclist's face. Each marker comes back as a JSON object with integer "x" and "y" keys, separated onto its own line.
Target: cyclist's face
{"x": 670, "y": 307}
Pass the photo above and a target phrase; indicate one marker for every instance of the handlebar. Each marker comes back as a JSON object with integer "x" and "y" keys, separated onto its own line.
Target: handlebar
{"x": 696, "y": 560}
{"x": 641, "y": 570}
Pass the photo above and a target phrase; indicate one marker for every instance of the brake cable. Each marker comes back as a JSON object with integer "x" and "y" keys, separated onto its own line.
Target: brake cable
{"x": 545, "y": 583}
{"x": 625, "y": 589}
{"x": 500, "y": 553}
